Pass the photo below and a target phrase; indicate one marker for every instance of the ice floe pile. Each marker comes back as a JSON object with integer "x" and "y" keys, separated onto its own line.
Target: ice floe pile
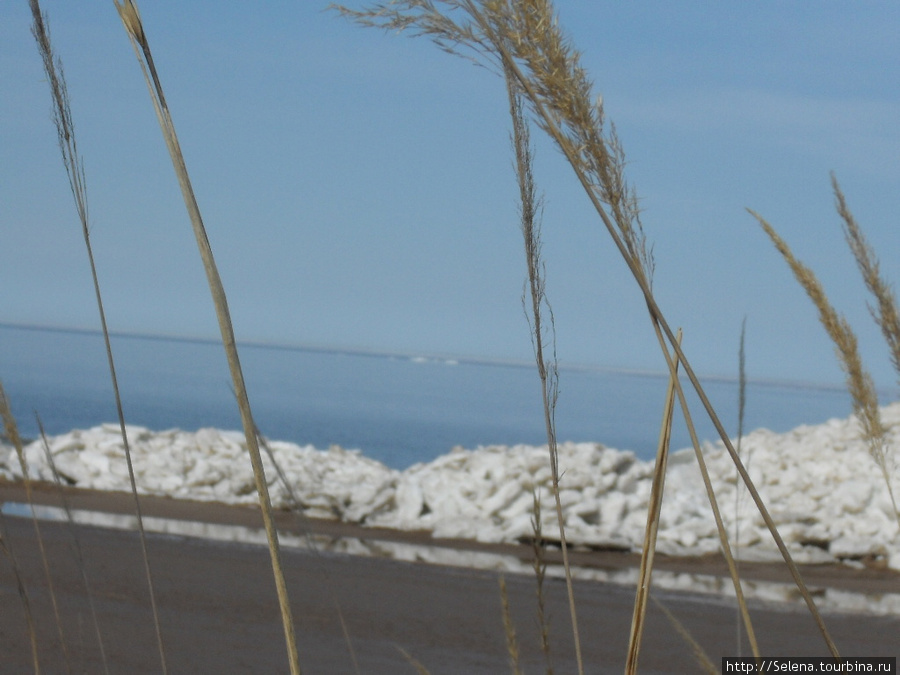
{"x": 823, "y": 489}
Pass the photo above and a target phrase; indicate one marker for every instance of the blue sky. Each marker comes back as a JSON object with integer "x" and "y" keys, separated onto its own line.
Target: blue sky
{"x": 358, "y": 192}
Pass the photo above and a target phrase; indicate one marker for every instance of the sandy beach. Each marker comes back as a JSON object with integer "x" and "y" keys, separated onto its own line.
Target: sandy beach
{"x": 219, "y": 614}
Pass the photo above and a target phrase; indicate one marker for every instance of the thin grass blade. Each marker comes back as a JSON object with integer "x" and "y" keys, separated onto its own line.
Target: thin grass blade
{"x": 654, "y": 510}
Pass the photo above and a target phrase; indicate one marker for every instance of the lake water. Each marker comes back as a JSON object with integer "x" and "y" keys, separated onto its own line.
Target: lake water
{"x": 397, "y": 409}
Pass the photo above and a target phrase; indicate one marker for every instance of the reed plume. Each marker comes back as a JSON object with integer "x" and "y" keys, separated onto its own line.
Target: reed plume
{"x": 859, "y": 381}
{"x": 524, "y": 38}
{"x": 884, "y": 311}
{"x": 863, "y": 396}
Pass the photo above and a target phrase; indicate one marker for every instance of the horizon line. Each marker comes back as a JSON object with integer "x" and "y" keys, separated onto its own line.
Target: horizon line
{"x": 445, "y": 357}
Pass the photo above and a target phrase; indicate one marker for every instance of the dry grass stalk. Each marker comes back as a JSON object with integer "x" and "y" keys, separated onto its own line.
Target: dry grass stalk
{"x": 742, "y": 404}
{"x": 525, "y": 38}
{"x": 653, "y": 514}
{"x": 23, "y": 594}
{"x": 12, "y": 433}
{"x": 509, "y": 629}
{"x": 859, "y": 382}
{"x": 297, "y": 508}
{"x": 65, "y": 129}
{"x": 79, "y": 557}
{"x": 703, "y": 660}
{"x": 535, "y": 305}
{"x": 415, "y": 663}
{"x": 720, "y": 525}
{"x": 539, "y": 564}
{"x": 128, "y": 12}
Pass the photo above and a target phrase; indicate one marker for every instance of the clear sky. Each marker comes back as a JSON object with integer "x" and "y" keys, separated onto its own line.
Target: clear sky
{"x": 358, "y": 192}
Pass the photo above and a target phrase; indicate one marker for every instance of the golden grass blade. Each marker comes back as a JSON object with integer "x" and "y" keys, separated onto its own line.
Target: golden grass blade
{"x": 547, "y": 368}
{"x": 131, "y": 20}
{"x": 714, "y": 507}
{"x": 653, "y": 513}
{"x": 748, "y": 482}
{"x": 509, "y": 628}
{"x": 65, "y": 128}
{"x": 297, "y": 508}
{"x": 79, "y": 557}
{"x": 420, "y": 669}
{"x": 742, "y": 404}
{"x": 742, "y": 384}
{"x": 703, "y": 659}
{"x": 12, "y": 433}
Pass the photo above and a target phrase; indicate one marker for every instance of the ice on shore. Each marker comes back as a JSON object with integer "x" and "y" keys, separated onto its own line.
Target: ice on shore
{"x": 824, "y": 491}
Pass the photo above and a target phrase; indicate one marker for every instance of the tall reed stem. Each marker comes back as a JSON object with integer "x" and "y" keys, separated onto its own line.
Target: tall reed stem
{"x": 547, "y": 368}
{"x": 65, "y": 129}
{"x": 714, "y": 507}
{"x": 128, "y": 12}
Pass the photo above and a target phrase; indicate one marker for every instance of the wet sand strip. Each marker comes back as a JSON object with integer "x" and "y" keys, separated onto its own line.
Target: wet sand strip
{"x": 219, "y": 612}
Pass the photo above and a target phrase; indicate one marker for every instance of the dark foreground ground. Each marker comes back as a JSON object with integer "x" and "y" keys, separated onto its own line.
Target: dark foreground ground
{"x": 218, "y": 608}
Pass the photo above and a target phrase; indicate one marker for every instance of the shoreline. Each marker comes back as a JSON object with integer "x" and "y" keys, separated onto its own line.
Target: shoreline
{"x": 866, "y": 578}
{"x": 219, "y": 613}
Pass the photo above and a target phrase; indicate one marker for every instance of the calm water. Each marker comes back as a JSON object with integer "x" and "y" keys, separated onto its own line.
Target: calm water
{"x": 398, "y": 410}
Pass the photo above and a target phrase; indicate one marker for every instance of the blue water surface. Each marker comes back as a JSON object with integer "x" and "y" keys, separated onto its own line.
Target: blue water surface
{"x": 397, "y": 409}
